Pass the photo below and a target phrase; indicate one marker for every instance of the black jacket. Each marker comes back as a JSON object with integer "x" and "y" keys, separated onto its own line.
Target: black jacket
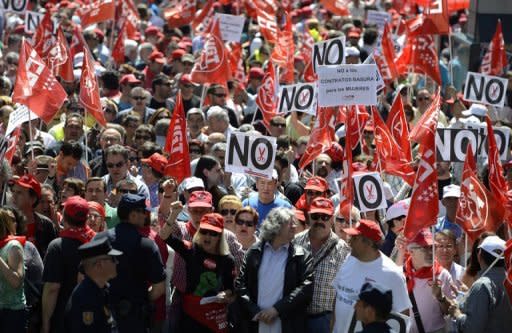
{"x": 297, "y": 291}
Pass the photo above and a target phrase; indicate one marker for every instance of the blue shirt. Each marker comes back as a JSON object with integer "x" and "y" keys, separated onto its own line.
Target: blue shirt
{"x": 444, "y": 223}
{"x": 264, "y": 209}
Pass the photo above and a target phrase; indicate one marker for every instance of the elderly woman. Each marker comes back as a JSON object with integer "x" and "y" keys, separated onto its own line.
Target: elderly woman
{"x": 97, "y": 217}
{"x": 228, "y": 207}
{"x": 210, "y": 270}
{"x": 275, "y": 284}
{"x": 246, "y": 220}
{"x": 12, "y": 273}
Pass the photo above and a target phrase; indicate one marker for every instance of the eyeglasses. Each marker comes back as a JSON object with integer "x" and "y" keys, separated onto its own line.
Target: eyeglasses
{"x": 138, "y": 98}
{"x": 316, "y": 217}
{"x": 125, "y": 191}
{"x": 143, "y": 137}
{"x": 248, "y": 223}
{"x": 279, "y": 125}
{"x": 209, "y": 232}
{"x": 219, "y": 95}
{"x": 225, "y": 212}
{"x": 115, "y": 165}
{"x": 445, "y": 247}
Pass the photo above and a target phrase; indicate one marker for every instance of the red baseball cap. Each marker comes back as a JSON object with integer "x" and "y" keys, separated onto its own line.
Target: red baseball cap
{"x": 77, "y": 208}
{"x": 423, "y": 238}
{"x": 157, "y": 162}
{"x": 200, "y": 199}
{"x": 322, "y": 205}
{"x": 29, "y": 182}
{"x": 177, "y": 54}
{"x": 317, "y": 184}
{"x": 185, "y": 79}
{"x": 366, "y": 228}
{"x": 256, "y": 73}
{"x": 299, "y": 214}
{"x": 97, "y": 207}
{"x": 354, "y": 33}
{"x": 152, "y": 30}
{"x": 129, "y": 78}
{"x": 212, "y": 221}
{"x": 157, "y": 56}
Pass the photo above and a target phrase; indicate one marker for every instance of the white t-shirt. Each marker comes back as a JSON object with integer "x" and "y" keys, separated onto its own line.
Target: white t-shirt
{"x": 351, "y": 277}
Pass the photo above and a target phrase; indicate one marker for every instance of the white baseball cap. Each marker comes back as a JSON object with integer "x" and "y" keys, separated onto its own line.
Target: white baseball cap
{"x": 398, "y": 209}
{"x": 475, "y": 109}
{"x": 493, "y": 245}
{"x": 451, "y": 191}
{"x": 193, "y": 182}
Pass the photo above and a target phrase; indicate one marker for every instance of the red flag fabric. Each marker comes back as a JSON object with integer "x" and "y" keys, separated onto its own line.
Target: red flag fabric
{"x": 508, "y": 266}
{"x": 213, "y": 65}
{"x": 236, "y": 62}
{"x": 35, "y": 86}
{"x": 435, "y": 19}
{"x": 61, "y": 58}
{"x": 425, "y": 58}
{"x": 89, "y": 90}
{"x": 306, "y": 51}
{"x": 388, "y": 52}
{"x": 266, "y": 16}
{"x": 176, "y": 144}
{"x": 478, "y": 211}
{"x": 118, "y": 51}
{"x": 399, "y": 127}
{"x": 12, "y": 144}
{"x": 337, "y": 7}
{"x": 495, "y": 59}
{"x": 266, "y": 98}
{"x": 98, "y": 11}
{"x": 200, "y": 17}
{"x": 283, "y": 52}
{"x": 126, "y": 13}
{"x": 456, "y": 5}
{"x": 180, "y": 15}
{"x": 346, "y": 184}
{"x": 43, "y": 38}
{"x": 426, "y": 122}
{"x": 321, "y": 136}
{"x": 78, "y": 43}
{"x": 357, "y": 116}
{"x": 391, "y": 157}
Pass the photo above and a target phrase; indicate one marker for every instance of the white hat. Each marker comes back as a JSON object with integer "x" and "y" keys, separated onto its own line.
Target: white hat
{"x": 275, "y": 175}
{"x": 193, "y": 182}
{"x": 398, "y": 209}
{"x": 493, "y": 245}
{"x": 352, "y": 52}
{"x": 475, "y": 109}
{"x": 451, "y": 191}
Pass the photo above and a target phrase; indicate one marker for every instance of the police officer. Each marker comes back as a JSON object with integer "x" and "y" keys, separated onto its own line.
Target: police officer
{"x": 373, "y": 308}
{"x": 139, "y": 266}
{"x": 87, "y": 309}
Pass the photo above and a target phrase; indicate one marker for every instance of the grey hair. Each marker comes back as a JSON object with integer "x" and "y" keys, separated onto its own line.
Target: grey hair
{"x": 219, "y": 146}
{"x": 162, "y": 126}
{"x": 193, "y": 111}
{"x": 274, "y": 221}
{"x": 218, "y": 113}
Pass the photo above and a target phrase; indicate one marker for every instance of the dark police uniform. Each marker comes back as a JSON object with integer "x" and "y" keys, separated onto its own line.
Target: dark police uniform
{"x": 88, "y": 307}
{"x": 139, "y": 266}
{"x": 380, "y": 299}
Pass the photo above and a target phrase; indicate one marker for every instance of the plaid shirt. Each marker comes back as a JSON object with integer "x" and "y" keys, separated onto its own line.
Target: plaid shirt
{"x": 324, "y": 294}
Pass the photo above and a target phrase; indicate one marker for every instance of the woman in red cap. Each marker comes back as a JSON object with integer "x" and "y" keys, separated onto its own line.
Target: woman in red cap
{"x": 210, "y": 273}
{"x": 96, "y": 217}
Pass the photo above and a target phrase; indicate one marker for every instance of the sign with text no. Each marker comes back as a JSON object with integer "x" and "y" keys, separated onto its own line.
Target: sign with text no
{"x": 485, "y": 89}
{"x": 297, "y": 97}
{"x": 252, "y": 155}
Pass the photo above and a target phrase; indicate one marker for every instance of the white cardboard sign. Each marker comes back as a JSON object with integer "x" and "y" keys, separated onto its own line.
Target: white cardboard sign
{"x": 485, "y": 89}
{"x": 301, "y": 97}
{"x": 18, "y": 117}
{"x": 369, "y": 191}
{"x": 231, "y": 27}
{"x": 329, "y": 52}
{"x": 378, "y": 18}
{"x": 17, "y": 6}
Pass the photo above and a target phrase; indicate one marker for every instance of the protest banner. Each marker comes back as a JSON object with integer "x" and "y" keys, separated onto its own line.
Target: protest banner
{"x": 17, "y": 6}
{"x": 378, "y": 18}
{"x": 252, "y": 155}
{"x": 32, "y": 20}
{"x": 369, "y": 191}
{"x": 231, "y": 27}
{"x": 18, "y": 117}
{"x": 485, "y": 89}
{"x": 300, "y": 97}
{"x": 347, "y": 85}
{"x": 329, "y": 52}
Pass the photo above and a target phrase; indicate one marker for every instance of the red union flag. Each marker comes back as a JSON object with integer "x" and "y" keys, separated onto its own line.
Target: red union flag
{"x": 118, "y": 51}
{"x": 425, "y": 58}
{"x": 60, "y": 58}
{"x": 213, "y": 65}
{"x": 346, "y": 184}
{"x": 306, "y": 51}
{"x": 176, "y": 144}
{"x": 508, "y": 266}
{"x": 35, "y": 86}
{"x": 426, "y": 122}
{"x": 357, "y": 116}
{"x": 337, "y": 7}
{"x": 98, "y": 11}
{"x": 180, "y": 15}
{"x": 266, "y": 13}
{"x": 89, "y": 90}
{"x": 283, "y": 52}
{"x": 236, "y": 62}
{"x": 495, "y": 60}
{"x": 399, "y": 127}
{"x": 436, "y": 18}
{"x": 478, "y": 210}
{"x": 388, "y": 52}
{"x": 266, "y": 98}
{"x": 43, "y": 38}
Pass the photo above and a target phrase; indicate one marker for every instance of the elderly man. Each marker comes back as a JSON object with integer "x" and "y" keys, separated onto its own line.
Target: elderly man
{"x": 218, "y": 121}
{"x": 139, "y": 99}
{"x": 329, "y": 252}
{"x": 195, "y": 123}
{"x": 275, "y": 284}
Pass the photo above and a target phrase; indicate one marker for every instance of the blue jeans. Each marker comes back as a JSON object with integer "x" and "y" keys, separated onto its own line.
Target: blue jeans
{"x": 319, "y": 324}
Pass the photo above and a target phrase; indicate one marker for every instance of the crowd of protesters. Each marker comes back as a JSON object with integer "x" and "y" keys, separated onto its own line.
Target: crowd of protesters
{"x": 96, "y": 236}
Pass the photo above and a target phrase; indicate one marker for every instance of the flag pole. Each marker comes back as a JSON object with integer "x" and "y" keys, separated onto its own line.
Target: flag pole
{"x": 203, "y": 96}
{"x": 433, "y": 253}
{"x": 465, "y": 250}
{"x": 30, "y": 132}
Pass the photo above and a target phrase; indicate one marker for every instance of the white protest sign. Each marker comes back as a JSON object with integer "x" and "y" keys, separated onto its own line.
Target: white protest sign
{"x": 231, "y": 27}
{"x": 18, "y": 117}
{"x": 252, "y": 155}
{"x": 485, "y": 89}
{"x": 32, "y": 20}
{"x": 502, "y": 136}
{"x": 297, "y": 97}
{"x": 370, "y": 60}
{"x": 347, "y": 85}
{"x": 18, "y": 6}
{"x": 369, "y": 191}
{"x": 329, "y": 52}
{"x": 378, "y": 18}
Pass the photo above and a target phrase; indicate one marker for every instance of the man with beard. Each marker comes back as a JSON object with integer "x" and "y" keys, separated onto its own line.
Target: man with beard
{"x": 323, "y": 168}
{"x": 328, "y": 252}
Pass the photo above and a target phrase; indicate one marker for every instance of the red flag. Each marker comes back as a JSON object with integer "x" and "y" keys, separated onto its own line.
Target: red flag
{"x": 456, "y": 5}
{"x": 391, "y": 156}
{"x": 266, "y": 98}
{"x": 427, "y": 121}
{"x": 398, "y": 125}
{"x": 60, "y": 57}
{"x": 424, "y": 206}
{"x": 435, "y": 20}
{"x": 98, "y": 11}
{"x": 35, "y": 86}
{"x": 478, "y": 211}
{"x": 508, "y": 266}
{"x": 204, "y": 15}
{"x": 176, "y": 144}
{"x": 213, "y": 65}
{"x": 12, "y": 143}
{"x": 78, "y": 43}
{"x": 337, "y": 7}
{"x": 321, "y": 136}
{"x": 180, "y": 15}
{"x": 89, "y": 90}
{"x": 236, "y": 62}
{"x": 43, "y": 38}
{"x": 346, "y": 184}
{"x": 126, "y": 13}
{"x": 425, "y": 58}
{"x": 306, "y": 51}
{"x": 283, "y": 52}
{"x": 357, "y": 116}
{"x": 267, "y": 20}
{"x": 118, "y": 51}
{"x": 388, "y": 52}
{"x": 495, "y": 60}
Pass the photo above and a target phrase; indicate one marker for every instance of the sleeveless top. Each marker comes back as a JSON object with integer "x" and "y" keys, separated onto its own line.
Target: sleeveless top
{"x": 11, "y": 298}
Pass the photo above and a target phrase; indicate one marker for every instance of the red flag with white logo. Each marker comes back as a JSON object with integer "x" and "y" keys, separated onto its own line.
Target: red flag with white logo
{"x": 126, "y": 13}
{"x": 213, "y": 64}
{"x": 36, "y": 87}
{"x": 478, "y": 210}
{"x": 60, "y": 58}
{"x": 426, "y": 122}
{"x": 266, "y": 98}
{"x": 12, "y": 143}
{"x": 424, "y": 206}
{"x": 266, "y": 17}
{"x": 118, "y": 51}
{"x": 357, "y": 116}
{"x": 181, "y": 14}
{"x": 176, "y": 144}
{"x": 98, "y": 11}
{"x": 283, "y": 52}
{"x": 436, "y": 19}
{"x": 399, "y": 127}
{"x": 236, "y": 62}
{"x": 388, "y": 52}
{"x": 495, "y": 59}
{"x": 425, "y": 60}
{"x": 89, "y": 90}
{"x": 78, "y": 43}
{"x": 306, "y": 51}
{"x": 44, "y": 38}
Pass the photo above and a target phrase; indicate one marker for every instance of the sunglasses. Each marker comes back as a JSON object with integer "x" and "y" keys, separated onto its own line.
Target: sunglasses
{"x": 209, "y": 232}
{"x": 225, "y": 212}
{"x": 115, "y": 165}
{"x": 142, "y": 137}
{"x": 323, "y": 217}
{"x": 219, "y": 95}
{"x": 138, "y": 98}
{"x": 194, "y": 151}
{"x": 126, "y": 191}
{"x": 279, "y": 125}
{"x": 248, "y": 223}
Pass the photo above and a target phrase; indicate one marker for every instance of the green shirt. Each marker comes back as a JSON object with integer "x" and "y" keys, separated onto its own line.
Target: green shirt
{"x": 111, "y": 216}
{"x": 11, "y": 298}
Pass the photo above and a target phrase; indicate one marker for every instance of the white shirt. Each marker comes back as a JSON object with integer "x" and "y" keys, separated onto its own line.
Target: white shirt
{"x": 351, "y": 277}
